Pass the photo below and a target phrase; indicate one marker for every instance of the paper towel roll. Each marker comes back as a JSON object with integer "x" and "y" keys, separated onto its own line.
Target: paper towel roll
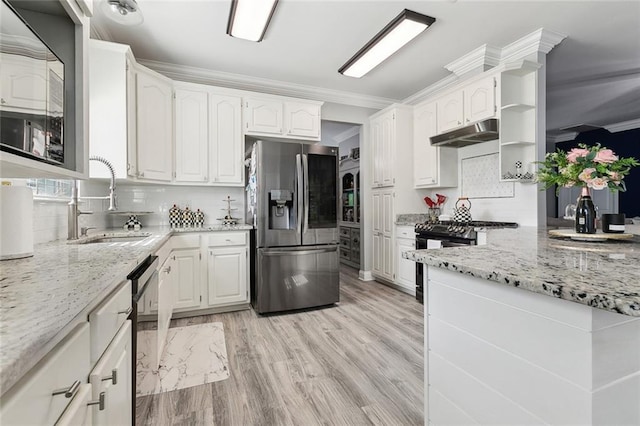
{"x": 16, "y": 222}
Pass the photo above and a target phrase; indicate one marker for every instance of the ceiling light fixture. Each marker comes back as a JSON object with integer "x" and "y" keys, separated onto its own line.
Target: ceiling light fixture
{"x": 124, "y": 12}
{"x": 404, "y": 28}
{"x": 249, "y": 19}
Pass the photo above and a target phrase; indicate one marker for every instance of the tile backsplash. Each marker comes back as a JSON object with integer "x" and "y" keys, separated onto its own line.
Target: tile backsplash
{"x": 157, "y": 199}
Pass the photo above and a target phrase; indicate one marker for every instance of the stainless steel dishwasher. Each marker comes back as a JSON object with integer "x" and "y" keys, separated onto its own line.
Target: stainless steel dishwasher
{"x": 144, "y": 276}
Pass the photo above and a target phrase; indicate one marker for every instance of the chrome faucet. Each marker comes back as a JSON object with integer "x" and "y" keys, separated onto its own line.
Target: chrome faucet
{"x": 112, "y": 186}
{"x": 73, "y": 212}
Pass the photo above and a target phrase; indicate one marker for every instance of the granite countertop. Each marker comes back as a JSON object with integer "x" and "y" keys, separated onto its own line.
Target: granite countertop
{"x": 602, "y": 275}
{"x": 44, "y": 297}
{"x": 410, "y": 219}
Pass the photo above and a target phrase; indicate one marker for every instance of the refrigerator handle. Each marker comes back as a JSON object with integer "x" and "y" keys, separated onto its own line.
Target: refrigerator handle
{"x": 305, "y": 166}
{"x": 299, "y": 186}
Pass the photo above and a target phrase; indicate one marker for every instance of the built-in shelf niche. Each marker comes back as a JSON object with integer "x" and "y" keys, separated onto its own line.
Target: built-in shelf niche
{"x": 518, "y": 121}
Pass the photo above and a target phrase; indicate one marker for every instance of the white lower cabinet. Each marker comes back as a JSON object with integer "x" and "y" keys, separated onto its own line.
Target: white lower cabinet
{"x": 49, "y": 388}
{"x": 405, "y": 268}
{"x": 112, "y": 377}
{"x": 186, "y": 279}
{"x": 227, "y": 269}
{"x": 166, "y": 298}
{"x": 383, "y": 258}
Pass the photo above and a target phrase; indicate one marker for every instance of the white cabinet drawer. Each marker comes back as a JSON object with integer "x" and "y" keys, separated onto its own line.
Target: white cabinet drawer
{"x": 405, "y": 232}
{"x": 32, "y": 401}
{"x": 227, "y": 239}
{"x": 107, "y": 318}
{"x": 112, "y": 375}
{"x": 79, "y": 411}
{"x": 185, "y": 242}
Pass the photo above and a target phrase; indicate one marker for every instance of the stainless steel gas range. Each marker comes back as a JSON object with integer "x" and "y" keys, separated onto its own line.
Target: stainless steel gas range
{"x": 442, "y": 234}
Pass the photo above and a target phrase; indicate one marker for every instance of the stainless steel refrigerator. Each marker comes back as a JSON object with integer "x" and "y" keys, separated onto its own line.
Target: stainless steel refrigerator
{"x": 292, "y": 202}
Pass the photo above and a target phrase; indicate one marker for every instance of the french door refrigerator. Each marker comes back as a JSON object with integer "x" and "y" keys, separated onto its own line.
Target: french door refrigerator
{"x": 292, "y": 202}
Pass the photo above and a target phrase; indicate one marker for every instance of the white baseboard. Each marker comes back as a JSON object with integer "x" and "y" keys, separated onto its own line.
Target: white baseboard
{"x": 365, "y": 275}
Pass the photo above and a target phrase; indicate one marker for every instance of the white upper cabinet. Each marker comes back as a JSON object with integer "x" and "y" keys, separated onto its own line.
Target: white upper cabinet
{"x": 263, "y": 116}
{"x": 227, "y": 143}
{"x": 282, "y": 117}
{"x": 112, "y": 88}
{"x": 473, "y": 102}
{"x": 192, "y": 135}
{"x": 433, "y": 166}
{"x": 480, "y": 100}
{"x": 209, "y": 142}
{"x": 450, "y": 111}
{"x": 302, "y": 119}
{"x": 154, "y": 125}
{"x": 383, "y": 138}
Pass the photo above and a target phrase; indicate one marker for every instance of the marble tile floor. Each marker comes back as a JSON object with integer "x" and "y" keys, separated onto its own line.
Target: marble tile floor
{"x": 194, "y": 355}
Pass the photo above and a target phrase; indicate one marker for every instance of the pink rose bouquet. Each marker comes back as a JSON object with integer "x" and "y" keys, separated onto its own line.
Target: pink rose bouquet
{"x": 595, "y": 167}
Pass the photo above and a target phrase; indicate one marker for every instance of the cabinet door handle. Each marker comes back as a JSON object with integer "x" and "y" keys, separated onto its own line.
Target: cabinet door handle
{"x": 167, "y": 269}
{"x": 205, "y": 179}
{"x": 127, "y": 312}
{"x": 459, "y": 122}
{"x": 468, "y": 120}
{"x": 99, "y": 402}
{"x": 68, "y": 392}
{"x": 2, "y": 101}
{"x": 113, "y": 377}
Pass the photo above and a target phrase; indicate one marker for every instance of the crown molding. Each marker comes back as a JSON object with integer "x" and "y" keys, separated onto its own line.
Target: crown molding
{"x": 347, "y": 134}
{"x": 483, "y": 58}
{"x": 264, "y": 85}
{"x": 428, "y": 91}
{"x": 540, "y": 41}
{"x": 99, "y": 32}
{"x": 488, "y": 56}
{"x": 624, "y": 125}
{"x": 562, "y": 137}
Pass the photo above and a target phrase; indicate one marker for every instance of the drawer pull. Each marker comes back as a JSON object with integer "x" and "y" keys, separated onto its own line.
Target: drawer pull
{"x": 99, "y": 402}
{"x": 228, "y": 240}
{"x": 127, "y": 312}
{"x": 113, "y": 377}
{"x": 68, "y": 392}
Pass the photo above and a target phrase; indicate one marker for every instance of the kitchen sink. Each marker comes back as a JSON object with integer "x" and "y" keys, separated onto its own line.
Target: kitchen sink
{"x": 111, "y": 238}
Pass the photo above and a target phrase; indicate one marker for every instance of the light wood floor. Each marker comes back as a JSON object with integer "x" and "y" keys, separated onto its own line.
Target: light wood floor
{"x": 359, "y": 362}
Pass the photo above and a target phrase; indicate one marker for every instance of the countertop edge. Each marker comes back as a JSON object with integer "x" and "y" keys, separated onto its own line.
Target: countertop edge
{"x": 555, "y": 290}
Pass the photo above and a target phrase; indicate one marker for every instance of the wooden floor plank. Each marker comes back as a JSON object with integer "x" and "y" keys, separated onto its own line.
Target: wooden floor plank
{"x": 359, "y": 362}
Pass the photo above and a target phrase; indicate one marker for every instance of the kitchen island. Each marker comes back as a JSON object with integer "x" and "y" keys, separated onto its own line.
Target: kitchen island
{"x": 529, "y": 329}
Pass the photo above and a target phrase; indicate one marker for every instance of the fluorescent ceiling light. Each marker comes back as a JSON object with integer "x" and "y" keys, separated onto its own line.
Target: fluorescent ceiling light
{"x": 404, "y": 28}
{"x": 248, "y": 19}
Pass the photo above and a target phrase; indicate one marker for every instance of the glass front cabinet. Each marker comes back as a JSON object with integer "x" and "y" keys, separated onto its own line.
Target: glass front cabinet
{"x": 350, "y": 215}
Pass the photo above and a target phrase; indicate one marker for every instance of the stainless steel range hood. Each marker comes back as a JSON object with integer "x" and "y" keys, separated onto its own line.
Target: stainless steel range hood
{"x": 482, "y": 131}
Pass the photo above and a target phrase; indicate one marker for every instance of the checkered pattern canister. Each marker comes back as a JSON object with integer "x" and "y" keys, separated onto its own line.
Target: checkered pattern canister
{"x": 175, "y": 217}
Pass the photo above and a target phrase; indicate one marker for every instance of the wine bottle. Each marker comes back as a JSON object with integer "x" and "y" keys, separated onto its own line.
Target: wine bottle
{"x": 585, "y": 213}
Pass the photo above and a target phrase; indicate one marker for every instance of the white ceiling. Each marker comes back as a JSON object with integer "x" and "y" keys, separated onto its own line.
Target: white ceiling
{"x": 307, "y": 41}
